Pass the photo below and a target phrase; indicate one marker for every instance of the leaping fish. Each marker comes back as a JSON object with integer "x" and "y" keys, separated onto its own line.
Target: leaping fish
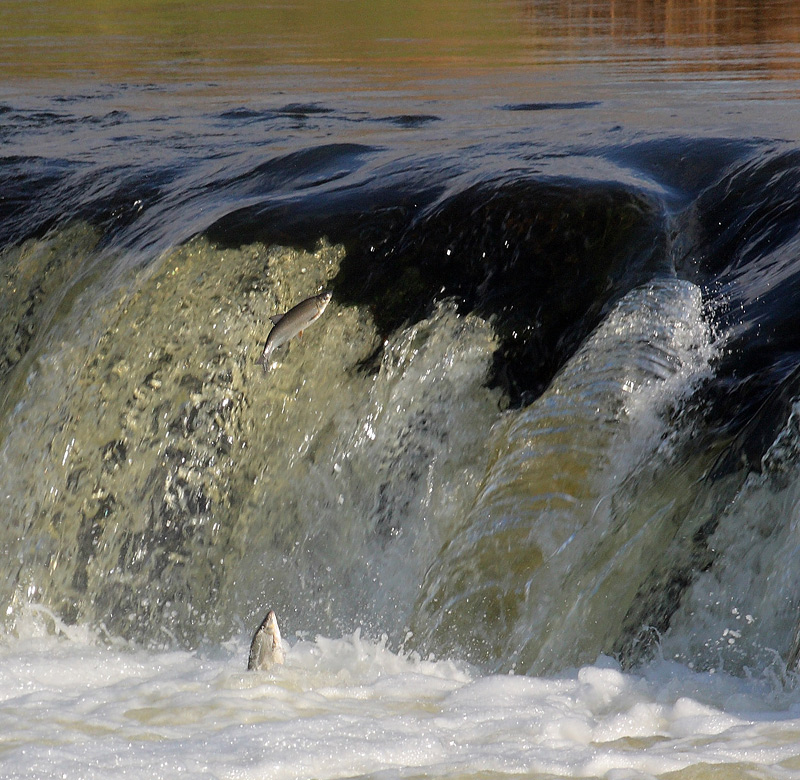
{"x": 266, "y": 649}
{"x": 293, "y": 322}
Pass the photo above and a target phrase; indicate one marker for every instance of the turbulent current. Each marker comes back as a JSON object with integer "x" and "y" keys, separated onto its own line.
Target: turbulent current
{"x": 389, "y": 472}
{"x": 185, "y": 488}
{"x": 525, "y": 498}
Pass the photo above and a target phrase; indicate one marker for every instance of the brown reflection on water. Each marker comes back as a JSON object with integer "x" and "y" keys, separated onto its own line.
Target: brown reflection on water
{"x": 675, "y": 22}
{"x": 758, "y": 36}
{"x": 707, "y": 23}
{"x": 179, "y": 40}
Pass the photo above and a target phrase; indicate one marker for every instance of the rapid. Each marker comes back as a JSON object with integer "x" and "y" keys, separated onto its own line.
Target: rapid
{"x": 525, "y": 498}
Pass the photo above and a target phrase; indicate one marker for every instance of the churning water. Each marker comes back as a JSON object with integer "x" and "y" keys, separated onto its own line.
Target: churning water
{"x": 350, "y": 707}
{"x": 526, "y": 498}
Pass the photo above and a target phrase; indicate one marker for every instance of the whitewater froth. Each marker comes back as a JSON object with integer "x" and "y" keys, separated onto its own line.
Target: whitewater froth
{"x": 553, "y": 524}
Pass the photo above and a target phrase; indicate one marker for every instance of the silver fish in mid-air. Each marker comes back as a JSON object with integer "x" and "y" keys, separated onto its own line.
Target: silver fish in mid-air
{"x": 292, "y": 323}
{"x": 266, "y": 649}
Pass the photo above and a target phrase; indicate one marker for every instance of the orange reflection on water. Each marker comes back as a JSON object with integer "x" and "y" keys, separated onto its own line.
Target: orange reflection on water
{"x": 708, "y": 23}
{"x": 177, "y": 40}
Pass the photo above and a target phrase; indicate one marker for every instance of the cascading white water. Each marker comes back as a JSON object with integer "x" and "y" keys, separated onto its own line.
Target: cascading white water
{"x": 328, "y": 489}
{"x": 743, "y": 613}
{"x": 549, "y": 559}
{"x": 163, "y": 486}
{"x": 159, "y": 484}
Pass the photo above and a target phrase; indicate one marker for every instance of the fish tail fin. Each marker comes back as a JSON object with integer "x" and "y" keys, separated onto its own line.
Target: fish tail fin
{"x": 263, "y": 361}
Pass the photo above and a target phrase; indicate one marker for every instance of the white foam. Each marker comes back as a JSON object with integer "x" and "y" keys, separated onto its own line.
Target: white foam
{"x": 741, "y": 612}
{"x": 553, "y": 554}
{"x": 73, "y": 707}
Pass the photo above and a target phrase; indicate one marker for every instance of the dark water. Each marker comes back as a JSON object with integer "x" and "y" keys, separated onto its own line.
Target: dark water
{"x": 562, "y": 353}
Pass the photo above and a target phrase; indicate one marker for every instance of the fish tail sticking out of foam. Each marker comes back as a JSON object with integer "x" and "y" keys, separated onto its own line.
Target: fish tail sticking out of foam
{"x": 266, "y": 649}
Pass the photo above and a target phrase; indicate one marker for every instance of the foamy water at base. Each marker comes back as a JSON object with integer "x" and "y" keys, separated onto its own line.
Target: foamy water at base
{"x": 73, "y": 707}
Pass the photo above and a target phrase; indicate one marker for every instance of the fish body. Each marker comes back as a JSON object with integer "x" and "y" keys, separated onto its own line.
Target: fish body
{"x": 293, "y": 322}
{"x": 266, "y": 649}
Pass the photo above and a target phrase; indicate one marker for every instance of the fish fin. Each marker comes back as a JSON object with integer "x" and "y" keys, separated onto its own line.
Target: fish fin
{"x": 276, "y": 318}
{"x": 263, "y": 362}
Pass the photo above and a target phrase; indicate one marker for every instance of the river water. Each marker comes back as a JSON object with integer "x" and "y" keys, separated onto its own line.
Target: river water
{"x": 526, "y": 499}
